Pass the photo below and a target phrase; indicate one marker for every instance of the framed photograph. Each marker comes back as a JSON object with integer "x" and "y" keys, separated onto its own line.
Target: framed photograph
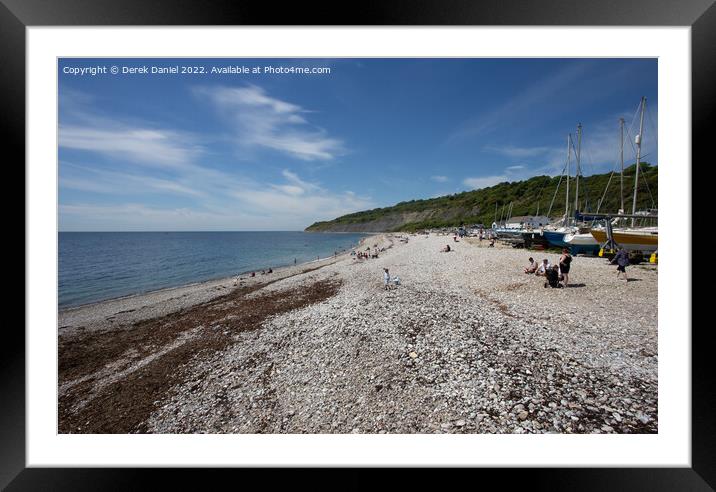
{"x": 412, "y": 238}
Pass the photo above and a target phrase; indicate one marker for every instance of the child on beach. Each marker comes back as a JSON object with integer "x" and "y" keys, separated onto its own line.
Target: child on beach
{"x": 386, "y": 279}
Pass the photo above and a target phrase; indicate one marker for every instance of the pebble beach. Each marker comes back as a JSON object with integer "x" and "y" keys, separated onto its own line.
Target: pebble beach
{"x": 467, "y": 343}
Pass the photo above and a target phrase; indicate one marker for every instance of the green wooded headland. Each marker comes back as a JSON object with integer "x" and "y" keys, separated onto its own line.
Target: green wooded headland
{"x": 478, "y": 206}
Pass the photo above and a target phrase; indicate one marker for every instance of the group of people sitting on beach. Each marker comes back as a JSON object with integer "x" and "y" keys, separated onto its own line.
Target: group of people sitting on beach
{"x": 263, "y": 272}
{"x": 554, "y": 274}
{"x": 365, "y": 254}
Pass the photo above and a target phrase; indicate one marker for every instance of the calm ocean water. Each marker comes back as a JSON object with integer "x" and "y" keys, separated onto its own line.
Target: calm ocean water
{"x": 95, "y": 266}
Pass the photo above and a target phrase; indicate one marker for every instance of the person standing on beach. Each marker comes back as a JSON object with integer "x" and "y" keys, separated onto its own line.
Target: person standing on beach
{"x": 564, "y": 262}
{"x": 294, "y": 261}
{"x": 386, "y": 279}
{"x": 622, "y": 261}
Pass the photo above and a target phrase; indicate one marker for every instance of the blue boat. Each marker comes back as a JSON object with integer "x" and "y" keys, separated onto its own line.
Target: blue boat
{"x": 556, "y": 238}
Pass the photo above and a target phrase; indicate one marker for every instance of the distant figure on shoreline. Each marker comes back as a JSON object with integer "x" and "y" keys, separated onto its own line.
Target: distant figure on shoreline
{"x": 386, "y": 279}
{"x": 294, "y": 261}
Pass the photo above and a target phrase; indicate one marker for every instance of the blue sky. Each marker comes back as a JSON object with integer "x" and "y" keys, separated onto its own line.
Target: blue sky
{"x": 263, "y": 151}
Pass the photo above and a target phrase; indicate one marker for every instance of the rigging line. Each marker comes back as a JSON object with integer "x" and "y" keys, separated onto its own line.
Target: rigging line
{"x": 586, "y": 188}
{"x": 539, "y": 197}
{"x": 631, "y": 143}
{"x": 549, "y": 212}
{"x": 630, "y": 139}
{"x": 601, "y": 200}
{"x": 614, "y": 170}
{"x": 653, "y": 204}
{"x": 653, "y": 127}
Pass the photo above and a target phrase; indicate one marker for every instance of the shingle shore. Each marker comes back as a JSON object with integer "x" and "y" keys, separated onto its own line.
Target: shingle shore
{"x": 467, "y": 343}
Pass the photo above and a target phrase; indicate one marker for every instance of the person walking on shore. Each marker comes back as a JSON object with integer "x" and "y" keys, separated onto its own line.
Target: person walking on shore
{"x": 386, "y": 279}
{"x": 622, "y": 261}
{"x": 564, "y": 262}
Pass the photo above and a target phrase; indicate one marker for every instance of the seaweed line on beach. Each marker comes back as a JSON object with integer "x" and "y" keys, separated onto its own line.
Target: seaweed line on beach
{"x": 123, "y": 405}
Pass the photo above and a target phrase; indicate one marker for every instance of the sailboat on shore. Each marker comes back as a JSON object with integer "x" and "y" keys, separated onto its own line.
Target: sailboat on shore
{"x": 582, "y": 241}
{"x": 569, "y": 234}
{"x": 633, "y": 238}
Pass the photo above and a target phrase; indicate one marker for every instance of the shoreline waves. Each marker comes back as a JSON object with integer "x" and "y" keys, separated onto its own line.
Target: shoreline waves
{"x": 99, "y": 266}
{"x": 466, "y": 344}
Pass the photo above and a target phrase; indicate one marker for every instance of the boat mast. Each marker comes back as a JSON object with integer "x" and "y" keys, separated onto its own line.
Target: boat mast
{"x": 569, "y": 169}
{"x": 621, "y": 156}
{"x": 638, "y": 156}
{"x": 579, "y": 168}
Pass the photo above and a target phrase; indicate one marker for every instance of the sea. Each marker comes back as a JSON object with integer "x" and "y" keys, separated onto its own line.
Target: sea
{"x": 96, "y": 266}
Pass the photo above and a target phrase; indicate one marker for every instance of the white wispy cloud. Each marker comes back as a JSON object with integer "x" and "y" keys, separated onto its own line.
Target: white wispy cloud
{"x": 264, "y": 121}
{"x": 287, "y": 204}
{"x": 517, "y": 152}
{"x": 297, "y": 198}
{"x": 142, "y": 162}
{"x": 523, "y": 103}
{"x": 599, "y": 149}
{"x": 439, "y": 179}
{"x": 141, "y": 217}
{"x": 84, "y": 178}
{"x": 142, "y": 145}
{"x": 477, "y": 183}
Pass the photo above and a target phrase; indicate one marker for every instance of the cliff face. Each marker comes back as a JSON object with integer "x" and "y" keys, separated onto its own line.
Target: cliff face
{"x": 392, "y": 221}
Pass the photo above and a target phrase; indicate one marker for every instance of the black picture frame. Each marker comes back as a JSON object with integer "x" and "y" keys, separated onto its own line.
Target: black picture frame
{"x": 16, "y": 15}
